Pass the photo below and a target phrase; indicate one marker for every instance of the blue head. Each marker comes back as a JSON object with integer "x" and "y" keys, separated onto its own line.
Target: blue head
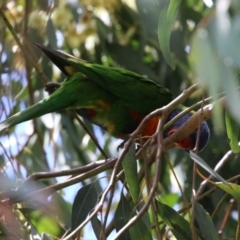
{"x": 190, "y": 142}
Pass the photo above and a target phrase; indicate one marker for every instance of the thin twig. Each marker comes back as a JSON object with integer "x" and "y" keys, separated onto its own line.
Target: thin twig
{"x": 74, "y": 113}
{"x": 55, "y": 187}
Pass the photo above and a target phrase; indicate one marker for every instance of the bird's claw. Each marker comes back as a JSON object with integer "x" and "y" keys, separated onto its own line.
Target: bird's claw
{"x": 51, "y": 87}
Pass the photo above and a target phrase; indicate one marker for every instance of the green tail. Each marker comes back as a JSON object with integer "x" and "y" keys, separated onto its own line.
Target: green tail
{"x": 41, "y": 108}
{"x": 64, "y": 97}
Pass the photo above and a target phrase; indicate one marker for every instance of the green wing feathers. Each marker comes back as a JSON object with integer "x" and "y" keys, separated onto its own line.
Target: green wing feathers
{"x": 134, "y": 91}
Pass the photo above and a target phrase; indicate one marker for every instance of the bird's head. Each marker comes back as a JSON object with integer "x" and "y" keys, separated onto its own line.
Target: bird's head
{"x": 189, "y": 142}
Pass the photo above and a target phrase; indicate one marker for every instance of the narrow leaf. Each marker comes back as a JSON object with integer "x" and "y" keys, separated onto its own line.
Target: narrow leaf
{"x": 130, "y": 170}
{"x": 96, "y": 225}
{"x": 204, "y": 165}
{"x": 123, "y": 213}
{"x": 204, "y": 63}
{"x": 205, "y": 223}
{"x": 42, "y": 222}
{"x": 232, "y": 132}
{"x": 231, "y": 188}
{"x": 180, "y": 227}
{"x": 121, "y": 217}
{"x": 140, "y": 231}
{"x": 84, "y": 202}
{"x": 166, "y": 20}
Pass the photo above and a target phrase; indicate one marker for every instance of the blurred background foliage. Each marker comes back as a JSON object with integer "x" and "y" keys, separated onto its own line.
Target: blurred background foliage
{"x": 205, "y": 48}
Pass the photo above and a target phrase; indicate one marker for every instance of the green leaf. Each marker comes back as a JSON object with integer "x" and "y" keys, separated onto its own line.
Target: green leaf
{"x": 232, "y": 132}
{"x": 205, "y": 166}
{"x": 180, "y": 227}
{"x": 84, "y": 202}
{"x": 170, "y": 199}
{"x": 43, "y": 222}
{"x": 166, "y": 20}
{"x": 96, "y": 225}
{"x": 205, "y": 223}
{"x": 213, "y": 65}
{"x": 130, "y": 170}
{"x": 204, "y": 64}
{"x": 121, "y": 217}
{"x": 232, "y": 188}
{"x": 140, "y": 231}
{"x": 123, "y": 213}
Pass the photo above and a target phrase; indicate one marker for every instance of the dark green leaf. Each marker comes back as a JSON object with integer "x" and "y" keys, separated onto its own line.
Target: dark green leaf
{"x": 140, "y": 231}
{"x": 84, "y": 202}
{"x": 180, "y": 226}
{"x": 205, "y": 223}
{"x": 121, "y": 217}
{"x": 123, "y": 213}
{"x": 130, "y": 171}
{"x": 96, "y": 225}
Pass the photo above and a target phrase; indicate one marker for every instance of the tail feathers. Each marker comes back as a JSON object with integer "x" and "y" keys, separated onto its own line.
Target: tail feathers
{"x": 60, "y": 59}
{"x": 37, "y": 110}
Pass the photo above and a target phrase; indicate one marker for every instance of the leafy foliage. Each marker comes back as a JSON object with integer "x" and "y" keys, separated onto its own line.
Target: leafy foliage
{"x": 53, "y": 176}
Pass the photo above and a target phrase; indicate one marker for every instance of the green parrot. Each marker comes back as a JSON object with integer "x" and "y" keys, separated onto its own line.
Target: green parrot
{"x": 115, "y": 99}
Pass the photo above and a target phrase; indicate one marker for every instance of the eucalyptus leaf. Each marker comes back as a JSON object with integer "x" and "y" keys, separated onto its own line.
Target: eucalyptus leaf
{"x": 205, "y": 223}
{"x": 231, "y": 188}
{"x": 232, "y": 131}
{"x": 166, "y": 20}
{"x": 84, "y": 202}
{"x": 180, "y": 227}
{"x": 131, "y": 174}
{"x": 196, "y": 158}
{"x": 122, "y": 215}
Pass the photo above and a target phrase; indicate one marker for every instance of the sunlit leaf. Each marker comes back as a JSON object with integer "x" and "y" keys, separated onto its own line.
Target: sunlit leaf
{"x": 43, "y": 222}
{"x": 231, "y": 188}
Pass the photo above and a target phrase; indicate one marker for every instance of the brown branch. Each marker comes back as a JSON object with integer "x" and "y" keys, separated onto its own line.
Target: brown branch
{"x": 55, "y": 187}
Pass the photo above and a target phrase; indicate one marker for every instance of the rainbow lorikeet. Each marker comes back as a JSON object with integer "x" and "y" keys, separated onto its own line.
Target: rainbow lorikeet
{"x": 115, "y": 99}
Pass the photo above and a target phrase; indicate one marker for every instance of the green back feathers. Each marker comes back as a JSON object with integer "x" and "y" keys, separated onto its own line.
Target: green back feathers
{"x": 134, "y": 91}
